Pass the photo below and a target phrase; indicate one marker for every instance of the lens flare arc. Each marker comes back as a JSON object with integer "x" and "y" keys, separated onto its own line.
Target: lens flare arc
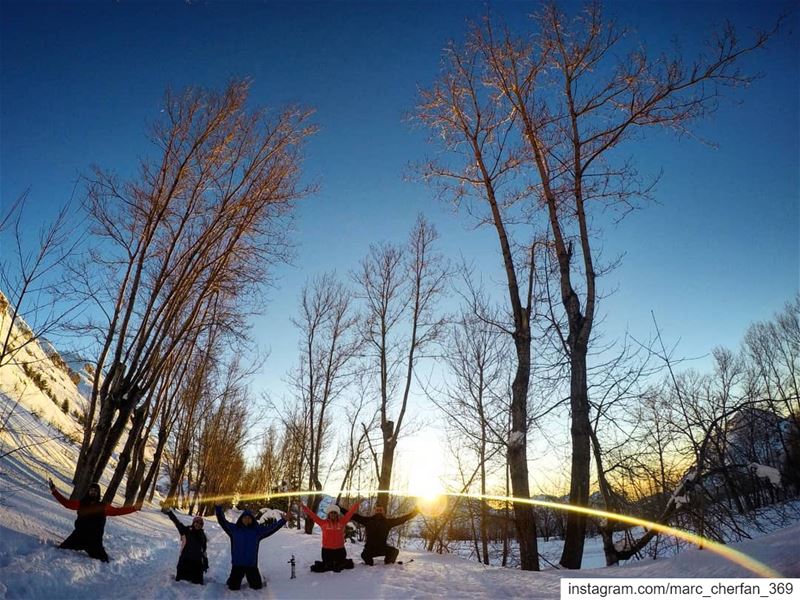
{"x": 731, "y": 554}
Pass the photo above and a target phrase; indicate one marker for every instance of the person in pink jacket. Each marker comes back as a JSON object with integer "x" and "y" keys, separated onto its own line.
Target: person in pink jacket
{"x": 334, "y": 554}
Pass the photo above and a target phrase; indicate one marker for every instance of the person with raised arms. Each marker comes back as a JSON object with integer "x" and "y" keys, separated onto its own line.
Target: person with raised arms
{"x": 334, "y": 554}
{"x": 245, "y": 535}
{"x": 193, "y": 561}
{"x": 90, "y": 524}
{"x": 377, "y": 528}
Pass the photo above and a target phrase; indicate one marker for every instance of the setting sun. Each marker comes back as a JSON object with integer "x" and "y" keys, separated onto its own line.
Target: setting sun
{"x": 425, "y": 467}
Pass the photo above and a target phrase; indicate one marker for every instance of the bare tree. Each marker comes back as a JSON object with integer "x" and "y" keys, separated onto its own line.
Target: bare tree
{"x": 219, "y": 458}
{"x": 481, "y": 165}
{"x": 193, "y": 402}
{"x": 474, "y": 403}
{"x": 575, "y": 96}
{"x": 328, "y": 344}
{"x": 399, "y": 287}
{"x": 203, "y": 222}
{"x": 30, "y": 301}
{"x": 357, "y": 441}
{"x": 268, "y": 474}
{"x": 773, "y": 360}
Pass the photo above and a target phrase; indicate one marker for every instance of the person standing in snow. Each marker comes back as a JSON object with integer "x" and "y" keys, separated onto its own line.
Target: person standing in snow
{"x": 91, "y": 522}
{"x": 377, "y": 529}
{"x": 334, "y": 554}
{"x": 246, "y": 535}
{"x": 192, "y": 561}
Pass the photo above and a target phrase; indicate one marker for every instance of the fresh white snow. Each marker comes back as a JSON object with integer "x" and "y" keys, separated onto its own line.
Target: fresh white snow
{"x": 144, "y": 549}
{"x": 144, "y": 546}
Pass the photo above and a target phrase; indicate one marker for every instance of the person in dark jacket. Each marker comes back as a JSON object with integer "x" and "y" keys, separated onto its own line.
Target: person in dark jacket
{"x": 192, "y": 561}
{"x": 246, "y": 535}
{"x": 91, "y": 522}
{"x": 377, "y": 529}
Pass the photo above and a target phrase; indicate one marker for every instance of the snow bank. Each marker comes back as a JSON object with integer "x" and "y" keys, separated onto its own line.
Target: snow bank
{"x": 769, "y": 473}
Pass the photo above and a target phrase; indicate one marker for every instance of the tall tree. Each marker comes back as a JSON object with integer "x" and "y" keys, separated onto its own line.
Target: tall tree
{"x": 479, "y": 171}
{"x": 328, "y": 345}
{"x": 474, "y": 403}
{"x": 399, "y": 287}
{"x": 576, "y": 93}
{"x": 202, "y": 221}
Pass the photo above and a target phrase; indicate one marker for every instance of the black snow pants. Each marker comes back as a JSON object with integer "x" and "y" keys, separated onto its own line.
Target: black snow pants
{"x": 253, "y": 578}
{"x": 190, "y": 570}
{"x": 77, "y": 541}
{"x": 388, "y": 552}
{"x": 332, "y": 560}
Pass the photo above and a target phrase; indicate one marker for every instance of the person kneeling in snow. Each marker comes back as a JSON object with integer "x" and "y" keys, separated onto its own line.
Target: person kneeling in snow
{"x": 245, "y": 536}
{"x": 377, "y": 529}
{"x": 192, "y": 561}
{"x": 334, "y": 554}
{"x": 91, "y": 522}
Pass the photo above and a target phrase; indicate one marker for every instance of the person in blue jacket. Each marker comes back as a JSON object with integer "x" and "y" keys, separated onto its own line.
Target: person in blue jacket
{"x": 245, "y": 536}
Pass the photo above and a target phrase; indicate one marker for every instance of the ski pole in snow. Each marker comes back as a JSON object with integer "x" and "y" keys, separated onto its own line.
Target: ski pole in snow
{"x": 291, "y": 562}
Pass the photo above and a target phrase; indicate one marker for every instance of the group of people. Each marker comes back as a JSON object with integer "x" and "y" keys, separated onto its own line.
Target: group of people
{"x": 376, "y": 527}
{"x": 245, "y": 536}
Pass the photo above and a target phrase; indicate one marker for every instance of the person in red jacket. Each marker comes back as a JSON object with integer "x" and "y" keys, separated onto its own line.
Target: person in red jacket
{"x": 91, "y": 522}
{"x": 334, "y": 554}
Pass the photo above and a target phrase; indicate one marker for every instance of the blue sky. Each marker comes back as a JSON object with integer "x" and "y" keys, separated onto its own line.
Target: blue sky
{"x": 718, "y": 250}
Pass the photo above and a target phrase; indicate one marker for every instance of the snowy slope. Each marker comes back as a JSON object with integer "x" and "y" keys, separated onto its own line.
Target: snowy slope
{"x": 35, "y": 388}
{"x": 41, "y": 380}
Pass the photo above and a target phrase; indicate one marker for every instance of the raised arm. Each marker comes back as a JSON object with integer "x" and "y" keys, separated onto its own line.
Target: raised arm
{"x": 350, "y": 513}
{"x": 223, "y": 522}
{"x": 400, "y": 520}
{"x": 312, "y": 515}
{"x": 113, "y": 511}
{"x": 182, "y": 529}
{"x": 357, "y": 518}
{"x": 264, "y": 531}
{"x": 65, "y": 502}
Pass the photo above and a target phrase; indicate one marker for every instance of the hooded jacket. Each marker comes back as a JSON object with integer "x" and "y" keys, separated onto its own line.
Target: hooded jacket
{"x": 377, "y": 528}
{"x": 332, "y": 533}
{"x": 91, "y": 521}
{"x": 194, "y": 548}
{"x": 245, "y": 539}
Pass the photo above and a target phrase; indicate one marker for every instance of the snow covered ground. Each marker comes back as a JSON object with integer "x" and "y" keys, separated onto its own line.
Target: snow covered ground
{"x": 144, "y": 549}
{"x": 144, "y": 546}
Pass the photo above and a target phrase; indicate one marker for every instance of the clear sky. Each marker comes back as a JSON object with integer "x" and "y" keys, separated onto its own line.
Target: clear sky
{"x": 719, "y": 249}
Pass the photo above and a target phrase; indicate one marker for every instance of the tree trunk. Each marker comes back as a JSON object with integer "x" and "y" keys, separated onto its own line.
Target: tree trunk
{"x": 150, "y": 478}
{"x": 580, "y": 431}
{"x": 524, "y": 518}
{"x": 112, "y": 439}
{"x": 484, "y": 516}
{"x": 506, "y": 521}
{"x": 125, "y": 455}
{"x": 387, "y": 464}
{"x": 316, "y": 500}
{"x": 84, "y": 470}
{"x": 136, "y": 470}
{"x": 180, "y": 467}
